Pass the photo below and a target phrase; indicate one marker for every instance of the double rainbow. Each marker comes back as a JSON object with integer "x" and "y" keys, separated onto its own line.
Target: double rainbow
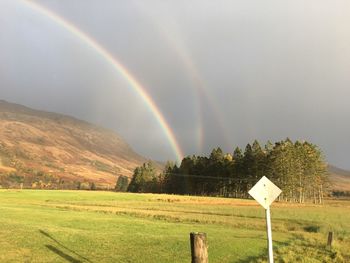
{"x": 133, "y": 83}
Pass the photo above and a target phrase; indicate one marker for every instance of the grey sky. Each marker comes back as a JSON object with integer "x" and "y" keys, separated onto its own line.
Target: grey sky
{"x": 272, "y": 69}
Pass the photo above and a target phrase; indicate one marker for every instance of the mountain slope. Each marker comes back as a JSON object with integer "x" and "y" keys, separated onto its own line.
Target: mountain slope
{"x": 42, "y": 145}
{"x": 340, "y": 178}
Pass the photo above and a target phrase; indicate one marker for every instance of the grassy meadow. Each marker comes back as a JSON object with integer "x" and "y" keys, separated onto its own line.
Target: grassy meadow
{"x": 87, "y": 226}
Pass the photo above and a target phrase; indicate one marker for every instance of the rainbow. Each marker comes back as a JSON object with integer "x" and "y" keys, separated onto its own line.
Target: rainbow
{"x": 176, "y": 41}
{"x": 140, "y": 90}
{"x": 198, "y": 85}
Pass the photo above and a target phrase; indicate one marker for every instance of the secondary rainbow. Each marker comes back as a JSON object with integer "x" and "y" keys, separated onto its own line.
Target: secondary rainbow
{"x": 172, "y": 35}
{"x": 140, "y": 90}
{"x": 202, "y": 92}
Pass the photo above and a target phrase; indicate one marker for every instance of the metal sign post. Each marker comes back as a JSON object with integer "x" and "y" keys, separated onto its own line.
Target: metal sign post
{"x": 265, "y": 192}
{"x": 269, "y": 234}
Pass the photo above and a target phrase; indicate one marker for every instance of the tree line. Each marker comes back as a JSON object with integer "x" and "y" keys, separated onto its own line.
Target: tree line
{"x": 298, "y": 168}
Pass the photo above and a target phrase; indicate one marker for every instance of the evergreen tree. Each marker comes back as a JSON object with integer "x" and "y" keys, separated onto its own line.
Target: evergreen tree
{"x": 238, "y": 173}
{"x": 170, "y": 180}
{"x": 297, "y": 168}
{"x": 92, "y": 186}
{"x": 144, "y": 179}
{"x": 122, "y": 184}
{"x": 259, "y": 161}
{"x": 268, "y": 147}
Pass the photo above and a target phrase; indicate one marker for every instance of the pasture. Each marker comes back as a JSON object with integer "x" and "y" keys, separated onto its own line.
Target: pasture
{"x": 87, "y": 226}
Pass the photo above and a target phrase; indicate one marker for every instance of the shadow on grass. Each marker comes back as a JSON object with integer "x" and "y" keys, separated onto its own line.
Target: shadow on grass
{"x": 263, "y": 255}
{"x": 61, "y": 253}
{"x": 252, "y": 259}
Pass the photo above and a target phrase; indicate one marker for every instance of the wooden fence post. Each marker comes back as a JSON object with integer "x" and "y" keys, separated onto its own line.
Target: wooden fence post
{"x": 199, "y": 252}
{"x": 330, "y": 239}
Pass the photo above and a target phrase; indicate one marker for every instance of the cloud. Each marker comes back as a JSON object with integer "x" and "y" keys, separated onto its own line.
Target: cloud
{"x": 275, "y": 69}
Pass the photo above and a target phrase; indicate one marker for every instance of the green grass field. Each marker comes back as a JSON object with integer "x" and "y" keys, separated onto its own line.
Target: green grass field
{"x": 82, "y": 226}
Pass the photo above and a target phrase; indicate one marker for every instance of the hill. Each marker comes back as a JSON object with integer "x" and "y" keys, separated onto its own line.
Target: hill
{"x": 340, "y": 178}
{"x": 48, "y": 150}
{"x": 45, "y": 149}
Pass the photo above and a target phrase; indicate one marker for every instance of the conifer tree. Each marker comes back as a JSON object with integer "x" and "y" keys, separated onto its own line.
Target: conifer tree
{"x": 297, "y": 168}
{"x": 144, "y": 179}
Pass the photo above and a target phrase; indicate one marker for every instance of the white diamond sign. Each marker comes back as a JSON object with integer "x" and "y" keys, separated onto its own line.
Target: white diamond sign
{"x": 265, "y": 192}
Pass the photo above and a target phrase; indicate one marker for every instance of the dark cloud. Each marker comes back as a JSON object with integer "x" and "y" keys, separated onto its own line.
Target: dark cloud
{"x": 268, "y": 70}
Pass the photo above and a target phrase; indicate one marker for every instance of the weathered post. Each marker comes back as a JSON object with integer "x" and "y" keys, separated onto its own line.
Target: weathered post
{"x": 199, "y": 252}
{"x": 330, "y": 239}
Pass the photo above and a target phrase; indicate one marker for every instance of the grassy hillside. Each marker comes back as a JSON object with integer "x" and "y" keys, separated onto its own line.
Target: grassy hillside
{"x": 82, "y": 226}
{"x": 340, "y": 178}
{"x": 44, "y": 145}
{"x": 47, "y": 150}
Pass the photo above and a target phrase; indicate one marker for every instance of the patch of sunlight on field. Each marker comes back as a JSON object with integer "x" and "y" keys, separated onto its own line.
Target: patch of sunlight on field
{"x": 85, "y": 226}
